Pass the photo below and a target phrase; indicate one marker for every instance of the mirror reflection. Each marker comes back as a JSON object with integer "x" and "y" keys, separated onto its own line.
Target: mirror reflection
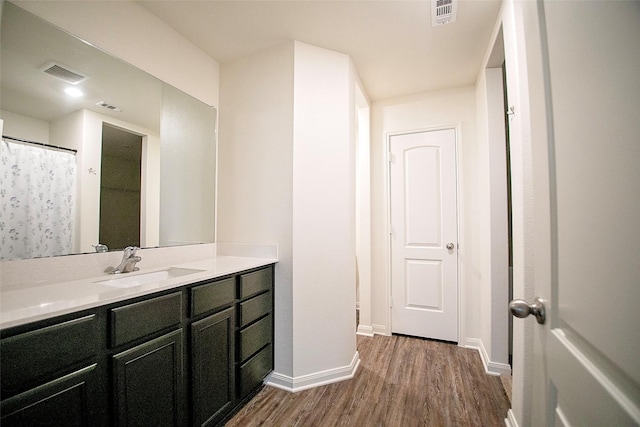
{"x": 128, "y": 160}
{"x": 120, "y": 192}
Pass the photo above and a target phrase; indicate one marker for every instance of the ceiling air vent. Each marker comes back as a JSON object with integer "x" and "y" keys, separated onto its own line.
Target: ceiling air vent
{"x": 63, "y": 72}
{"x": 109, "y": 106}
{"x": 443, "y": 12}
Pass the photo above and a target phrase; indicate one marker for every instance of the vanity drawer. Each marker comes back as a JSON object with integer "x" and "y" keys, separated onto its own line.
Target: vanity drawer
{"x": 254, "y": 337}
{"x": 256, "y": 282}
{"x": 211, "y": 296}
{"x": 254, "y": 370}
{"x": 35, "y": 357}
{"x": 255, "y": 308}
{"x": 144, "y": 318}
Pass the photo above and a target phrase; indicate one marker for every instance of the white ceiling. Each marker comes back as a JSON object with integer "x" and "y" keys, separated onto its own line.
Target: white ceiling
{"x": 392, "y": 43}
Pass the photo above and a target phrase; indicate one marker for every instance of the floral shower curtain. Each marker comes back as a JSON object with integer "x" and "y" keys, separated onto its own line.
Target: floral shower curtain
{"x": 37, "y": 201}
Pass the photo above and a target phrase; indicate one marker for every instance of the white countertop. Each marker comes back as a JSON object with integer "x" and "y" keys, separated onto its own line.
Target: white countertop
{"x": 25, "y": 305}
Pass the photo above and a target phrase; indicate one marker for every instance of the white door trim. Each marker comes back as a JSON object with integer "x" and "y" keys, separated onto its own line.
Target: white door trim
{"x": 387, "y": 197}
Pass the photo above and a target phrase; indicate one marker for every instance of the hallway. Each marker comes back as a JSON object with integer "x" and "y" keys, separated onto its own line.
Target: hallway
{"x": 401, "y": 381}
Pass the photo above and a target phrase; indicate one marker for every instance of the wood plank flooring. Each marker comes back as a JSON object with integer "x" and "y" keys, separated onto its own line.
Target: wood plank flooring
{"x": 401, "y": 381}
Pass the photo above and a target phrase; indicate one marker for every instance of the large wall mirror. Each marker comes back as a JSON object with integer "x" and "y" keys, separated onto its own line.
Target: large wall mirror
{"x": 128, "y": 156}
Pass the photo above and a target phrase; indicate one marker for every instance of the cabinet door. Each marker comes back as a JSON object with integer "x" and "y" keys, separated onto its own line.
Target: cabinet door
{"x": 66, "y": 402}
{"x": 148, "y": 383}
{"x": 212, "y": 379}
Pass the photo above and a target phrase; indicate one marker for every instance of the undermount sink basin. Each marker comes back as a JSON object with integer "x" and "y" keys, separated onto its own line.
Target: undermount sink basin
{"x": 129, "y": 280}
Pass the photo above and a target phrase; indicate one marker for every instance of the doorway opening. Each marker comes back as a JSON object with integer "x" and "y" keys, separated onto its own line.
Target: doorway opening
{"x": 363, "y": 215}
{"x": 120, "y": 178}
{"x": 507, "y": 115}
{"x": 497, "y": 332}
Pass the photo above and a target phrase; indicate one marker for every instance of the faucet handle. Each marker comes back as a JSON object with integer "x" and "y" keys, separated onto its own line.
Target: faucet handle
{"x": 101, "y": 247}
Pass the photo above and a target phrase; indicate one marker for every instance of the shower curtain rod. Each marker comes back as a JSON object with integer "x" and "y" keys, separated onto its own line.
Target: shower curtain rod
{"x": 39, "y": 143}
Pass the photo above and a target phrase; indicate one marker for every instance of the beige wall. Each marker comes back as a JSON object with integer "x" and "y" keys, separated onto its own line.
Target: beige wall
{"x": 255, "y": 170}
{"x": 24, "y": 127}
{"x": 188, "y": 164}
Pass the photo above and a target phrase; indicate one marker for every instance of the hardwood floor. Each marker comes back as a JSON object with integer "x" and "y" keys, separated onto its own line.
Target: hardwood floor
{"x": 401, "y": 381}
{"x": 507, "y": 384}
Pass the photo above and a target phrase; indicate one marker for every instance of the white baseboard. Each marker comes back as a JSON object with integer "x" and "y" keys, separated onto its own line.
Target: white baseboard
{"x": 365, "y": 330}
{"x": 380, "y": 330}
{"x": 305, "y": 382}
{"x": 511, "y": 421}
{"x": 491, "y": 368}
{"x": 371, "y": 330}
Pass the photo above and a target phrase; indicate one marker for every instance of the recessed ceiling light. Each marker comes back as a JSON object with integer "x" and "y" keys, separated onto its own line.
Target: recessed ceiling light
{"x": 74, "y": 92}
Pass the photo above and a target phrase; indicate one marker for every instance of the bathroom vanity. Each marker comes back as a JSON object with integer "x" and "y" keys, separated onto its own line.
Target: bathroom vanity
{"x": 177, "y": 350}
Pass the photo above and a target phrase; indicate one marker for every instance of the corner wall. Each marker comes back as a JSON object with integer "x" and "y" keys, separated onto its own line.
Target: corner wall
{"x": 324, "y": 272}
{"x": 287, "y": 176}
{"x": 255, "y": 171}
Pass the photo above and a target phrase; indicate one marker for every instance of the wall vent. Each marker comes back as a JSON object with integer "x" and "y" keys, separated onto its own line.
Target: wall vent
{"x": 63, "y": 72}
{"x": 443, "y": 12}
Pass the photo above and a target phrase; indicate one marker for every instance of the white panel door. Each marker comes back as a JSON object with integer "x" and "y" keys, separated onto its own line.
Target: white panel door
{"x": 589, "y": 349}
{"x": 424, "y": 272}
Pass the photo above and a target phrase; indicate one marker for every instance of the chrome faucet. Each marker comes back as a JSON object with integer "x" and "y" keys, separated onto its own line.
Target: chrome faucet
{"x": 101, "y": 248}
{"x": 128, "y": 263}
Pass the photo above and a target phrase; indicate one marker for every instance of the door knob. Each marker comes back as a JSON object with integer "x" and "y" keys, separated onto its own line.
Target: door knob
{"x": 521, "y": 308}
{"x": 450, "y": 246}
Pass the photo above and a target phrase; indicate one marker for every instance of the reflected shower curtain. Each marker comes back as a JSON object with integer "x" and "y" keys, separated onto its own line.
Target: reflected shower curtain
{"x": 37, "y": 201}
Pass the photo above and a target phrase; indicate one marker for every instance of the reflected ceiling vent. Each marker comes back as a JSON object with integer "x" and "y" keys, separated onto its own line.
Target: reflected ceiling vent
{"x": 63, "y": 72}
{"x": 443, "y": 12}
{"x": 109, "y": 106}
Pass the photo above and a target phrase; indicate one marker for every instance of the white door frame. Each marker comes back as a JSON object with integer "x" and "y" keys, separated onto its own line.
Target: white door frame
{"x": 363, "y": 214}
{"x": 456, "y": 128}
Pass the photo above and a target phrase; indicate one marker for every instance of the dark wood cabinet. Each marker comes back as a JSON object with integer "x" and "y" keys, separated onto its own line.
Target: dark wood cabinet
{"x": 145, "y": 318}
{"x": 44, "y": 354}
{"x": 148, "y": 383}
{"x": 67, "y": 401}
{"x": 253, "y": 370}
{"x": 49, "y": 375}
{"x": 189, "y": 355}
{"x": 212, "y": 367}
{"x": 254, "y": 348}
